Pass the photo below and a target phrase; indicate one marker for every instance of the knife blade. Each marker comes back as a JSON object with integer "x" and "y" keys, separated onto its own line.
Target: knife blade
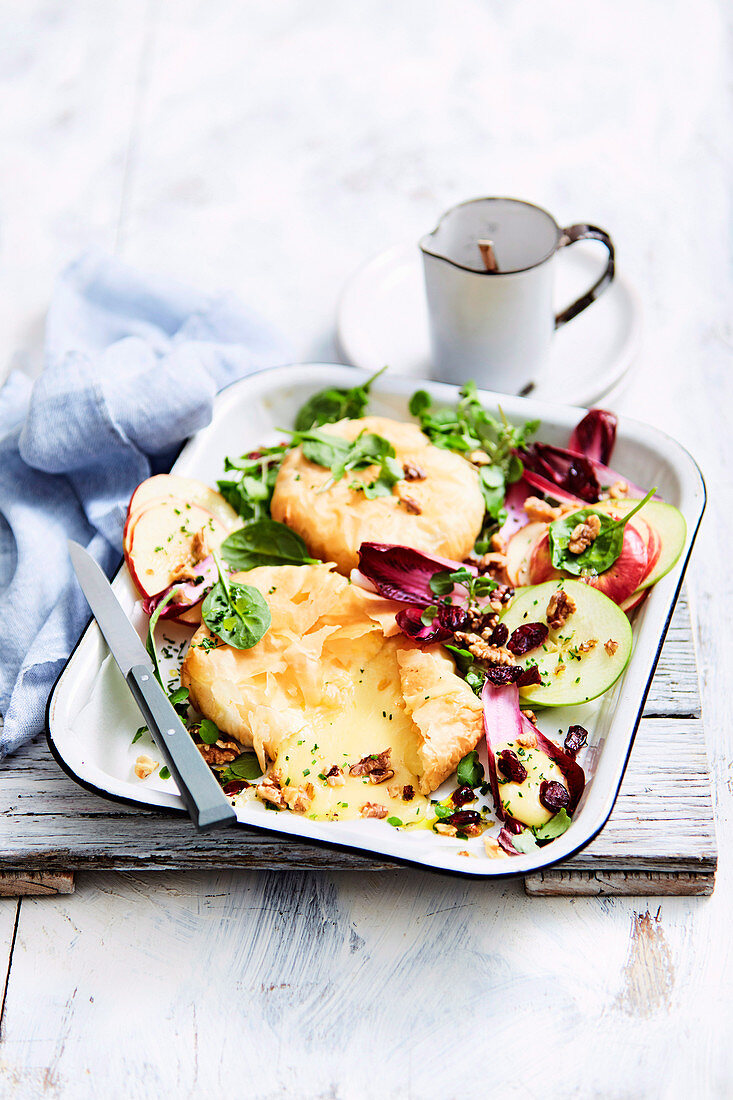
{"x": 200, "y": 791}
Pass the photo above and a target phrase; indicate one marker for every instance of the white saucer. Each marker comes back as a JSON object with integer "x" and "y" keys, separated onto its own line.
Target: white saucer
{"x": 382, "y": 319}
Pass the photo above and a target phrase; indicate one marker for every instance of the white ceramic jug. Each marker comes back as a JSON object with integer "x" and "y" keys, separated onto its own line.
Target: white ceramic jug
{"x": 489, "y": 283}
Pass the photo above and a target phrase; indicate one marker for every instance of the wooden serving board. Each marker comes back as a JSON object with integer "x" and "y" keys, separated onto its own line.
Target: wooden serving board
{"x": 660, "y": 838}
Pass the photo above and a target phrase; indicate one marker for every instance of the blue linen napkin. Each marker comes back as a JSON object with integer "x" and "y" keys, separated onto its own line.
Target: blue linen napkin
{"x": 132, "y": 364}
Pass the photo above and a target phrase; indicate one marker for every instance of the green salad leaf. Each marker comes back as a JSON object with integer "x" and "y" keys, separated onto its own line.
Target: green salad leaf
{"x": 556, "y": 826}
{"x": 209, "y": 731}
{"x": 236, "y": 613}
{"x": 264, "y": 542}
{"x": 467, "y": 428}
{"x": 602, "y": 552}
{"x": 524, "y": 842}
{"x": 334, "y": 403}
{"x": 470, "y": 770}
{"x": 250, "y": 491}
{"x": 441, "y": 584}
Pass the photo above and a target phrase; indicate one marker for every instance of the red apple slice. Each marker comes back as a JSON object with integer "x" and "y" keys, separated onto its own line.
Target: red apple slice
{"x": 187, "y": 489}
{"x": 618, "y": 582}
{"x": 634, "y": 600}
{"x": 162, "y": 540}
{"x": 519, "y": 551}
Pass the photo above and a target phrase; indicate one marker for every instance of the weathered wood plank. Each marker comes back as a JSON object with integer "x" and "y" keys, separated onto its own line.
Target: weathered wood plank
{"x": 609, "y": 884}
{"x": 14, "y": 884}
{"x": 675, "y": 689}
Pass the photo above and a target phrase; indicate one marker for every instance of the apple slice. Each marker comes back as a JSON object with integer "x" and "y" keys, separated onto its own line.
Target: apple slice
{"x": 582, "y": 658}
{"x": 617, "y": 582}
{"x": 186, "y": 489}
{"x": 671, "y": 530}
{"x": 162, "y": 540}
{"x": 519, "y": 551}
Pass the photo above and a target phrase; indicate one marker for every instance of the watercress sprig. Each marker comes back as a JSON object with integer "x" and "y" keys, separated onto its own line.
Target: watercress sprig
{"x": 334, "y": 403}
{"x": 476, "y": 586}
{"x": 236, "y": 613}
{"x": 250, "y": 492}
{"x": 469, "y": 427}
{"x": 341, "y": 455}
{"x": 602, "y": 552}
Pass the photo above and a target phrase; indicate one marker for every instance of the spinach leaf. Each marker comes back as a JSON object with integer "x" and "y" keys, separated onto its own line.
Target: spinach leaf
{"x": 556, "y": 826}
{"x": 246, "y": 766}
{"x": 150, "y": 640}
{"x": 470, "y": 770}
{"x": 250, "y": 492}
{"x": 332, "y": 404}
{"x": 467, "y": 428}
{"x": 236, "y": 613}
{"x": 602, "y": 552}
{"x": 264, "y": 542}
{"x": 472, "y": 673}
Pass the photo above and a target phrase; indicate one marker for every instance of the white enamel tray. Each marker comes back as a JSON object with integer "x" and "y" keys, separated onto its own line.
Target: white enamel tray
{"x": 92, "y": 717}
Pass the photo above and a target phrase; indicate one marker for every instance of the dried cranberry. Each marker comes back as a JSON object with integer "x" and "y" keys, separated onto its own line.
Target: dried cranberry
{"x": 529, "y": 676}
{"x": 575, "y": 739}
{"x": 554, "y": 796}
{"x": 526, "y": 637}
{"x": 234, "y": 787}
{"x": 499, "y": 635}
{"x": 512, "y": 767}
{"x": 453, "y": 618}
{"x": 498, "y": 675}
{"x": 463, "y": 795}
{"x": 463, "y": 817}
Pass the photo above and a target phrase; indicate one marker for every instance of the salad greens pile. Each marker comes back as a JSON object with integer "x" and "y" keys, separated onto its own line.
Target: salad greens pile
{"x": 468, "y": 428}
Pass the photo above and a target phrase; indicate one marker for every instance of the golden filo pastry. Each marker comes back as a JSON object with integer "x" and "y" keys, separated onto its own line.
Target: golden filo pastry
{"x": 325, "y": 694}
{"x": 438, "y": 509}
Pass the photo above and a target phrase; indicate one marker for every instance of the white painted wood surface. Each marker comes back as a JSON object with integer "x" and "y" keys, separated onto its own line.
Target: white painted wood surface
{"x": 271, "y": 148}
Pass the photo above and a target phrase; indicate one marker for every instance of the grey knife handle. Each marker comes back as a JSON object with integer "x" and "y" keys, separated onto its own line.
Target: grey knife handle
{"x": 204, "y": 798}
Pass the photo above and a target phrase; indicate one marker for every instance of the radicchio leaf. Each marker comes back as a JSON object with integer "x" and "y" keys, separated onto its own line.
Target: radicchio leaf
{"x": 564, "y": 469}
{"x": 446, "y": 621}
{"x": 595, "y": 435}
{"x": 516, "y": 516}
{"x": 535, "y": 481}
{"x": 187, "y": 593}
{"x": 504, "y": 721}
{"x": 401, "y": 573}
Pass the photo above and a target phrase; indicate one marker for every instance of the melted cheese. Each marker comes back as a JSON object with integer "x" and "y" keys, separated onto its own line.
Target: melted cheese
{"x": 325, "y": 686}
{"x": 522, "y": 800}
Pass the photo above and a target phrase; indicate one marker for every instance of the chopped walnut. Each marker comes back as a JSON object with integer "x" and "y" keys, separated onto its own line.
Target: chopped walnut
{"x": 618, "y": 490}
{"x": 375, "y": 767}
{"x": 373, "y": 809}
{"x": 498, "y": 543}
{"x": 491, "y": 654}
{"x": 494, "y": 850}
{"x": 587, "y": 646}
{"x": 540, "y": 511}
{"x": 145, "y": 766}
{"x": 412, "y": 471}
{"x": 493, "y": 563}
{"x": 531, "y": 716}
{"x": 559, "y": 669}
{"x": 410, "y": 504}
{"x": 479, "y": 458}
{"x": 335, "y": 776}
{"x": 269, "y": 791}
{"x": 444, "y": 829}
{"x": 610, "y": 647}
{"x": 559, "y": 609}
{"x": 303, "y": 799}
{"x": 223, "y": 752}
{"x": 527, "y": 740}
{"x": 584, "y": 534}
{"x": 463, "y": 852}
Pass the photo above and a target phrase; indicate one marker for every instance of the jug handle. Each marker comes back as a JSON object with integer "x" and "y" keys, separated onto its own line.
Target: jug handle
{"x": 575, "y": 233}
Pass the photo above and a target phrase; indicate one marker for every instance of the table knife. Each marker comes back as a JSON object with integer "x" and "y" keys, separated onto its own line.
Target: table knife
{"x": 204, "y": 798}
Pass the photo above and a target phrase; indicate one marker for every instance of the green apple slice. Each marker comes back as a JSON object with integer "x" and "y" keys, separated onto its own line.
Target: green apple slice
{"x": 582, "y": 658}
{"x": 670, "y": 525}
